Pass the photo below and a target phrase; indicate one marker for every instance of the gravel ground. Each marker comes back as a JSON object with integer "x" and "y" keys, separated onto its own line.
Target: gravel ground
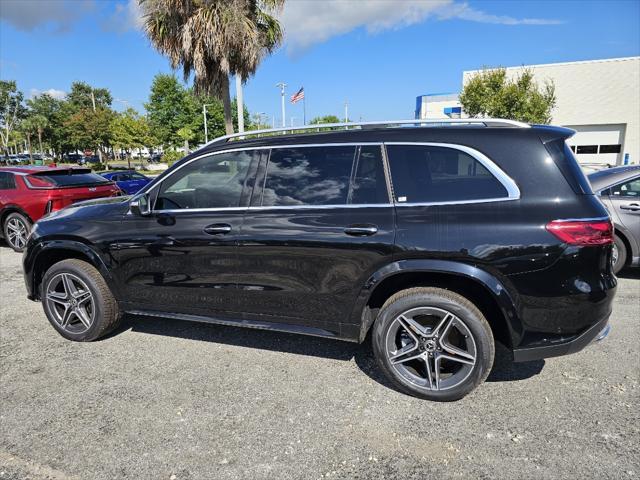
{"x": 177, "y": 400}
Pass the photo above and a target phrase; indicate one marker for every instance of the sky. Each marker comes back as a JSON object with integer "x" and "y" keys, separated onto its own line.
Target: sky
{"x": 377, "y": 55}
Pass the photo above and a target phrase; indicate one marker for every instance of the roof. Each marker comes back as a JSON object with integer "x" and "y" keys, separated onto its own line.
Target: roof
{"x": 611, "y": 176}
{"x": 559, "y": 64}
{"x": 27, "y": 169}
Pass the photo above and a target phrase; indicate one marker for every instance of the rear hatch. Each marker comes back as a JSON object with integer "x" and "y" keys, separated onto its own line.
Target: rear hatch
{"x": 68, "y": 186}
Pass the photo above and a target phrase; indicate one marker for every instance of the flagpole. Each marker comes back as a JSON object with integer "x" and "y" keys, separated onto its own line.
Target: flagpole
{"x": 304, "y": 110}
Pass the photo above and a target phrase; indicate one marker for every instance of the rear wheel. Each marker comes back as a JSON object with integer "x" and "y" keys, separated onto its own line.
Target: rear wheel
{"x": 78, "y": 302}
{"x": 618, "y": 254}
{"x": 16, "y": 230}
{"x": 433, "y": 343}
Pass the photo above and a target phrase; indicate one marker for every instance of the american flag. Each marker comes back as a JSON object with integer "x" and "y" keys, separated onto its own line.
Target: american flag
{"x": 299, "y": 95}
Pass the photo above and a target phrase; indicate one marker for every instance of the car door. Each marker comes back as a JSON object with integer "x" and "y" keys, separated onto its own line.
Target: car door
{"x": 624, "y": 199}
{"x": 319, "y": 228}
{"x": 182, "y": 257}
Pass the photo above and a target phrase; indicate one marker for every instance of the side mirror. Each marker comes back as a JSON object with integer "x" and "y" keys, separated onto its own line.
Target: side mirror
{"x": 141, "y": 206}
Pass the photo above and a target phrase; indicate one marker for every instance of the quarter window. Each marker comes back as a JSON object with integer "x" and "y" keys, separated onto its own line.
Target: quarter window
{"x": 211, "y": 182}
{"x": 425, "y": 174}
{"x": 308, "y": 176}
{"x": 7, "y": 181}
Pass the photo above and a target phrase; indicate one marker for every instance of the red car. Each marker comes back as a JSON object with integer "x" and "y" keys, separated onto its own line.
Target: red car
{"x": 28, "y": 193}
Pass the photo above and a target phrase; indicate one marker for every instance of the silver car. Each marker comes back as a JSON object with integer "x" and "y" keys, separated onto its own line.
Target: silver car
{"x": 619, "y": 190}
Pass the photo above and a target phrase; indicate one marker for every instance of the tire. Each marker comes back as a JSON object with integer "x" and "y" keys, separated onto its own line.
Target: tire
{"x": 72, "y": 315}
{"x": 16, "y": 229}
{"x": 442, "y": 329}
{"x": 619, "y": 262}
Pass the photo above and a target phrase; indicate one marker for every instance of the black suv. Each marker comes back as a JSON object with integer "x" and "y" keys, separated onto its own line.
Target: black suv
{"x": 435, "y": 239}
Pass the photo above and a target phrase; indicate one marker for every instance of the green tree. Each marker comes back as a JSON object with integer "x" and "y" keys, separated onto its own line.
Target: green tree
{"x": 168, "y": 109}
{"x": 325, "y": 119}
{"x": 129, "y": 130}
{"x": 48, "y": 111}
{"x": 83, "y": 95}
{"x": 490, "y": 93}
{"x": 213, "y": 40}
{"x": 11, "y": 110}
{"x": 28, "y": 127}
{"x": 88, "y": 129}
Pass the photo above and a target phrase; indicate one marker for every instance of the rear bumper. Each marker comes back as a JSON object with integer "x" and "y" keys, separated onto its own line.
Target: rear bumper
{"x": 596, "y": 333}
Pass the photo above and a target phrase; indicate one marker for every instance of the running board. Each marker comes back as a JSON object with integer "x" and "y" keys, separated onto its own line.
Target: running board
{"x": 255, "y": 324}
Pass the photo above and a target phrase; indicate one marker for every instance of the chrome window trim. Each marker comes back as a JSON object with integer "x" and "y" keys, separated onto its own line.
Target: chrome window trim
{"x": 513, "y": 192}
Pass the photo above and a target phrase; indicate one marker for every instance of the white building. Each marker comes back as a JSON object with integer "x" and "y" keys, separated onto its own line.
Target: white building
{"x": 438, "y": 105}
{"x": 600, "y": 99}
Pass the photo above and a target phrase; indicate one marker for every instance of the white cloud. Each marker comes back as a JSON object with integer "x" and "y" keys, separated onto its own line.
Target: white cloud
{"x": 52, "y": 92}
{"x": 26, "y": 15}
{"x": 127, "y": 16}
{"x": 309, "y": 22}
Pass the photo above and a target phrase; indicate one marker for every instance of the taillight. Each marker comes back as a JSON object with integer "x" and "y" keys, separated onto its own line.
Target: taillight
{"x": 582, "y": 232}
{"x": 33, "y": 181}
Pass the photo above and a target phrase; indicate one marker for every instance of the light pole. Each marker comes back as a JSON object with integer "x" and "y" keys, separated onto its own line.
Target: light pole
{"x": 291, "y": 119}
{"x": 346, "y": 111}
{"x": 282, "y": 85}
{"x": 204, "y": 114}
{"x": 239, "y": 104}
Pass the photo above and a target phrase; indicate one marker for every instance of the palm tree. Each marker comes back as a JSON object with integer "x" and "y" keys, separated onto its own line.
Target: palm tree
{"x": 40, "y": 122}
{"x": 213, "y": 39}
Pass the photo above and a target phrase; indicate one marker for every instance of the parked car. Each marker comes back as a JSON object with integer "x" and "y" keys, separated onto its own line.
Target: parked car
{"x": 128, "y": 181}
{"x": 28, "y": 193}
{"x": 435, "y": 241}
{"x": 619, "y": 190}
{"x": 155, "y": 157}
{"x": 88, "y": 159}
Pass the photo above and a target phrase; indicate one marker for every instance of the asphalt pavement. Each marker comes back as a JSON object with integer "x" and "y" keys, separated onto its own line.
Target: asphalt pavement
{"x": 164, "y": 399}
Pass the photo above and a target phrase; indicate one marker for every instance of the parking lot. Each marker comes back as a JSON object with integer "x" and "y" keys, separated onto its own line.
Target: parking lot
{"x": 163, "y": 399}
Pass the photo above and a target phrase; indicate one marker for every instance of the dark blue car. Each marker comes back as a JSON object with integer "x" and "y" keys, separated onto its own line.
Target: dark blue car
{"x": 128, "y": 181}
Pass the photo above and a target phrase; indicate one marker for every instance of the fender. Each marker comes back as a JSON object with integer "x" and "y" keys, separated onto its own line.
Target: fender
{"x": 43, "y": 247}
{"x": 10, "y": 208}
{"x": 493, "y": 286}
{"x": 630, "y": 238}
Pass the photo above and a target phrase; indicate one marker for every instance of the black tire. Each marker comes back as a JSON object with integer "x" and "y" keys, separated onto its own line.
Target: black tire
{"x": 12, "y": 220}
{"x": 105, "y": 312}
{"x": 464, "y": 314}
{"x": 621, "y": 261}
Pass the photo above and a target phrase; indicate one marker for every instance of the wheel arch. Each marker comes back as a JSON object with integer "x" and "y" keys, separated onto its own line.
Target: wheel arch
{"x": 8, "y": 210}
{"x": 624, "y": 236}
{"x": 39, "y": 259}
{"x": 479, "y": 286}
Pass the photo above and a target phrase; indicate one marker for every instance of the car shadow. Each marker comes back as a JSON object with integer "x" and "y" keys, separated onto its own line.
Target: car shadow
{"x": 504, "y": 369}
{"x": 629, "y": 272}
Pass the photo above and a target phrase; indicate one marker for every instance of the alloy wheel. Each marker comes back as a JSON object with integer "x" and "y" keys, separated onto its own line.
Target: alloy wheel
{"x": 431, "y": 348}
{"x": 17, "y": 233}
{"x": 70, "y": 302}
{"x": 615, "y": 253}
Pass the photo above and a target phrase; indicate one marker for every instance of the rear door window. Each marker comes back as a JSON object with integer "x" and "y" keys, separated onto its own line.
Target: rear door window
{"x": 308, "y": 176}
{"x": 369, "y": 185}
{"x": 430, "y": 174}
{"x": 630, "y": 189}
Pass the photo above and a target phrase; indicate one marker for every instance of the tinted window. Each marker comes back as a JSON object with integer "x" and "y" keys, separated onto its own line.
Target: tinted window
{"x": 369, "y": 185}
{"x": 439, "y": 174}
{"x": 137, "y": 176}
{"x": 74, "y": 177}
{"x": 610, "y": 148}
{"x": 7, "y": 182}
{"x": 582, "y": 149}
{"x": 308, "y": 176}
{"x": 627, "y": 189}
{"x": 212, "y": 182}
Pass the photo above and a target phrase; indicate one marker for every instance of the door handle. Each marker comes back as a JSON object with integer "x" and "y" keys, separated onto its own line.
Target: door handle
{"x": 361, "y": 230}
{"x": 634, "y": 207}
{"x": 217, "y": 229}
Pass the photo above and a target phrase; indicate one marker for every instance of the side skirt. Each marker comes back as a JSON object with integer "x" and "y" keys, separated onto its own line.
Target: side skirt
{"x": 245, "y": 323}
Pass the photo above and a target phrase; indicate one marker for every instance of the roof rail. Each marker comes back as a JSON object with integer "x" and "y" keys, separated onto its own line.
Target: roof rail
{"x": 487, "y": 122}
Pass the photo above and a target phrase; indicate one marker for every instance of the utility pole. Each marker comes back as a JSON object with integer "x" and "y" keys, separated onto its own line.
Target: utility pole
{"x": 239, "y": 104}
{"x": 93, "y": 102}
{"x": 204, "y": 115}
{"x": 291, "y": 120}
{"x": 282, "y": 85}
{"x": 346, "y": 111}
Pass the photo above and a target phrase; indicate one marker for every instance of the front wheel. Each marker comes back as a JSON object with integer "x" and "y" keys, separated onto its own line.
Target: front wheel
{"x": 78, "y": 302}
{"x": 433, "y": 343}
{"x": 16, "y": 231}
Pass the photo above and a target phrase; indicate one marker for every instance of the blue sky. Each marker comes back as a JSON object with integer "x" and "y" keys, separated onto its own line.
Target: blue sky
{"x": 376, "y": 54}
